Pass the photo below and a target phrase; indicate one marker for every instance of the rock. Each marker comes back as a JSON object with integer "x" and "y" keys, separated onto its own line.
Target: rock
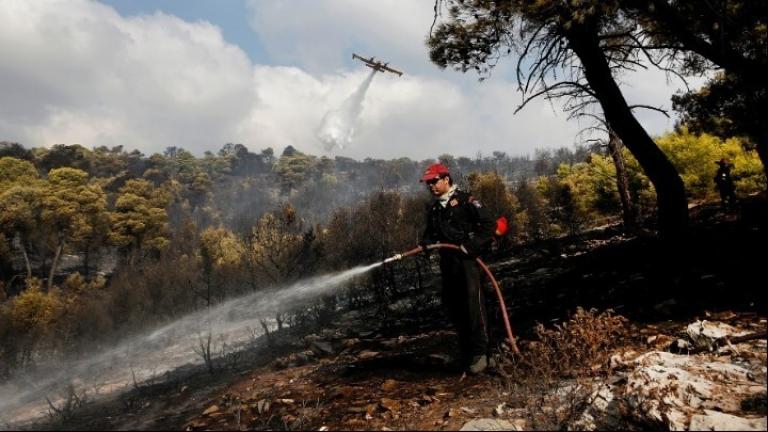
{"x": 330, "y": 333}
{"x": 704, "y": 334}
{"x": 499, "y": 410}
{"x": 683, "y": 345}
{"x": 390, "y": 404}
{"x": 440, "y": 359}
{"x": 489, "y": 424}
{"x": 390, "y": 343}
{"x": 389, "y": 385}
{"x": 660, "y": 341}
{"x": 717, "y": 421}
{"x": 623, "y": 360}
{"x": 603, "y": 413}
{"x": 668, "y": 389}
{"x": 322, "y": 347}
{"x": 349, "y": 343}
{"x": 365, "y": 355}
{"x": 341, "y": 392}
{"x": 469, "y": 411}
{"x": 210, "y": 410}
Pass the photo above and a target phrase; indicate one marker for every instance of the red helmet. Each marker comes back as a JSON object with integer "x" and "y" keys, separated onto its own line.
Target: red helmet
{"x": 434, "y": 171}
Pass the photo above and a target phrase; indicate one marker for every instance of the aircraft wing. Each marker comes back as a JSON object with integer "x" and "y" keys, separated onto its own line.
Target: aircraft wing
{"x": 389, "y": 69}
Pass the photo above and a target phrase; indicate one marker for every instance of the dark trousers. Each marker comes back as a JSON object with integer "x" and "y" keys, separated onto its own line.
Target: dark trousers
{"x": 464, "y": 299}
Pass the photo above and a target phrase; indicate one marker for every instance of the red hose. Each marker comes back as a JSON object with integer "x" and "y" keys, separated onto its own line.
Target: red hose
{"x": 488, "y": 273}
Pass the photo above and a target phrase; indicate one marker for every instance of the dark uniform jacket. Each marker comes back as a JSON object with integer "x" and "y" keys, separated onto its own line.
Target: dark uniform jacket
{"x": 463, "y": 222}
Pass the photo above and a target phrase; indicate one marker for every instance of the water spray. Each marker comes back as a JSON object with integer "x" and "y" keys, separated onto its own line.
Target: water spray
{"x": 338, "y": 126}
{"x": 482, "y": 265}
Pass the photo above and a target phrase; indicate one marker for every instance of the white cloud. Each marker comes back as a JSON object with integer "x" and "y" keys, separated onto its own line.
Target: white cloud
{"x": 654, "y": 87}
{"x": 414, "y": 116}
{"x": 321, "y": 35}
{"x": 76, "y": 71}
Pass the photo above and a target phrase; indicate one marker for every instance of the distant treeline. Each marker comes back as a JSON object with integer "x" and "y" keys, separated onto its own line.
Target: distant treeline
{"x": 97, "y": 243}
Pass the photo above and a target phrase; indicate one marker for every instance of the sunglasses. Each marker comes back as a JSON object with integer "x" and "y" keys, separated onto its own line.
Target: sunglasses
{"x": 432, "y": 182}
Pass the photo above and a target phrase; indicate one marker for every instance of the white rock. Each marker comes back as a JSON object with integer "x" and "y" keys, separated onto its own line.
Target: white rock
{"x": 704, "y": 333}
{"x": 717, "y": 421}
{"x": 489, "y": 424}
{"x": 670, "y": 388}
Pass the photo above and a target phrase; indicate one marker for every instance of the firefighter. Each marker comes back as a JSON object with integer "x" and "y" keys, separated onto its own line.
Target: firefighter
{"x": 458, "y": 218}
{"x": 725, "y": 185}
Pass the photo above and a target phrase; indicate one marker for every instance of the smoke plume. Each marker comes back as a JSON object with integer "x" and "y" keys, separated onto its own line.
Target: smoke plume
{"x": 338, "y": 126}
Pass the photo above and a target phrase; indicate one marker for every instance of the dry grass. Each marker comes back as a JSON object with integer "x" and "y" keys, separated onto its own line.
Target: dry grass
{"x": 554, "y": 378}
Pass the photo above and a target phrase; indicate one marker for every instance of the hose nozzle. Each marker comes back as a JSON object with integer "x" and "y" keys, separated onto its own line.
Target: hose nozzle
{"x": 393, "y": 258}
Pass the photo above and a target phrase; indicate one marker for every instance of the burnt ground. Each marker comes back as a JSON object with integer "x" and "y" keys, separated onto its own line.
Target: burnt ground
{"x": 364, "y": 372}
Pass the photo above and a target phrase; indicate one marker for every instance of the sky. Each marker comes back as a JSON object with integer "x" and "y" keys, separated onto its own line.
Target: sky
{"x": 198, "y": 74}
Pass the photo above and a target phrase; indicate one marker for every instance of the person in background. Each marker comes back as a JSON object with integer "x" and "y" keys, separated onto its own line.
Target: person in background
{"x": 457, "y": 217}
{"x": 725, "y": 185}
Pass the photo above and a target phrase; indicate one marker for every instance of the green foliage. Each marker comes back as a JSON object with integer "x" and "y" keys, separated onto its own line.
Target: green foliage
{"x": 20, "y": 208}
{"x": 492, "y": 191}
{"x": 593, "y": 184}
{"x": 14, "y": 150}
{"x": 61, "y": 156}
{"x": 16, "y": 172}
{"x": 74, "y": 208}
{"x": 34, "y": 309}
{"x": 694, "y": 156}
{"x": 535, "y": 223}
{"x": 294, "y": 168}
{"x": 567, "y": 214}
{"x": 139, "y": 221}
{"x": 221, "y": 253}
{"x": 277, "y": 248}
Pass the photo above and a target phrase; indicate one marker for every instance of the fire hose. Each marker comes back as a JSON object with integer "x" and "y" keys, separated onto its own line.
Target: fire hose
{"x": 482, "y": 265}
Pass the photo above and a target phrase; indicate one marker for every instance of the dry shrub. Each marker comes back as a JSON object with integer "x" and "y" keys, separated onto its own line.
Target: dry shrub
{"x": 555, "y": 376}
{"x": 578, "y": 347}
{"x": 71, "y": 402}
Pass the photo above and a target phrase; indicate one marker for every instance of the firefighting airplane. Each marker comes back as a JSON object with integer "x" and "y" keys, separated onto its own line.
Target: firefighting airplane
{"x": 376, "y": 65}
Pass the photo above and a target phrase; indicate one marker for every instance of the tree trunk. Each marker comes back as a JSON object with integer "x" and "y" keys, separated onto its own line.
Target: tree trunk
{"x": 55, "y": 264}
{"x": 628, "y": 210}
{"x": 86, "y": 257}
{"x": 264, "y": 326}
{"x": 208, "y": 288}
{"x": 28, "y": 265}
{"x": 670, "y": 193}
